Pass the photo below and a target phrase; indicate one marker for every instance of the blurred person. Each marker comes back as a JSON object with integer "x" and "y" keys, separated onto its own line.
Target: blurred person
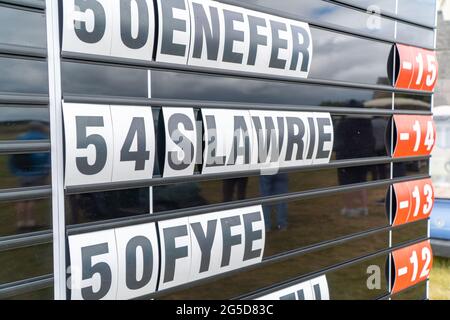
{"x": 380, "y": 171}
{"x": 355, "y": 140}
{"x": 32, "y": 169}
{"x": 270, "y": 186}
{"x": 238, "y": 185}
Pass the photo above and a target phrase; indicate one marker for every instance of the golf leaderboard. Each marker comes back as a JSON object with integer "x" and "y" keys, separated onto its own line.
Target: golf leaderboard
{"x": 200, "y": 149}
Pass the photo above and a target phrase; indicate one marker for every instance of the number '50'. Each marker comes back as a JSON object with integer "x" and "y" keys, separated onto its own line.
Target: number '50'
{"x": 133, "y": 17}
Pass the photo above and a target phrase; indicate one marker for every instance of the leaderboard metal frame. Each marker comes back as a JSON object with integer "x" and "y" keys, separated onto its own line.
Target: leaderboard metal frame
{"x": 56, "y": 126}
{"x": 57, "y": 192}
{"x": 432, "y": 108}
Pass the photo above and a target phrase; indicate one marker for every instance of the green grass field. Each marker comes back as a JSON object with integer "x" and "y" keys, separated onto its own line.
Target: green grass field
{"x": 440, "y": 279}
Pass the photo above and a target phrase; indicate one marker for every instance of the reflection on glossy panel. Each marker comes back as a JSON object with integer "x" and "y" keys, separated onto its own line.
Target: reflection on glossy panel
{"x": 24, "y": 216}
{"x": 21, "y": 27}
{"x": 421, "y": 11}
{"x": 327, "y": 64}
{"x": 410, "y": 232}
{"x": 417, "y": 36}
{"x": 171, "y": 85}
{"x": 299, "y": 223}
{"x": 100, "y": 206}
{"x": 338, "y": 57}
{"x": 363, "y": 281}
{"x": 360, "y": 137}
{"x": 415, "y": 293}
{"x": 247, "y": 282}
{"x": 194, "y": 194}
{"x": 24, "y": 170}
{"x": 44, "y": 294}
{"x": 90, "y": 79}
{"x": 404, "y": 169}
{"x": 302, "y": 223}
{"x": 24, "y": 123}
{"x": 23, "y": 76}
{"x": 412, "y": 102}
{"x": 330, "y": 13}
{"x": 385, "y": 6}
{"x": 109, "y": 205}
{"x": 25, "y": 263}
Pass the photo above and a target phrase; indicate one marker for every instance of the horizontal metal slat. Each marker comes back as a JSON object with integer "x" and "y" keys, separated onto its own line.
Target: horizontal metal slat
{"x": 25, "y": 4}
{"x": 232, "y": 105}
{"x": 153, "y": 65}
{"x": 24, "y": 98}
{"x": 25, "y": 240}
{"x": 25, "y": 286}
{"x": 17, "y": 51}
{"x": 158, "y": 181}
{"x": 24, "y": 147}
{"x": 18, "y": 194}
{"x": 174, "y": 214}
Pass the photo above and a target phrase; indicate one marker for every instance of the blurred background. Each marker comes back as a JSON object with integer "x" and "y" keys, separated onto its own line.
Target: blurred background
{"x": 440, "y": 163}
